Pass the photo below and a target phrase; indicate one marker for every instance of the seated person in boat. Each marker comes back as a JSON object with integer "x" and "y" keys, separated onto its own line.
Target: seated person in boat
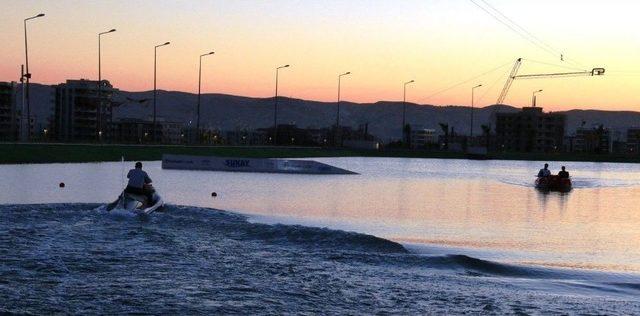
{"x": 544, "y": 172}
{"x": 139, "y": 183}
{"x": 564, "y": 174}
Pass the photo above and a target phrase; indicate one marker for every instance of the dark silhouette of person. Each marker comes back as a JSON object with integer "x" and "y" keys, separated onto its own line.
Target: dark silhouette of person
{"x": 564, "y": 174}
{"x": 139, "y": 183}
{"x": 544, "y": 172}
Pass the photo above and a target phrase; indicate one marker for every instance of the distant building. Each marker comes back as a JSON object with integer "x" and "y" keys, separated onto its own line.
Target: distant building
{"x": 321, "y": 136}
{"x": 530, "y": 130}
{"x": 80, "y": 113}
{"x": 421, "y": 137}
{"x": 8, "y": 112}
{"x": 618, "y": 142}
{"x": 137, "y": 131}
{"x": 290, "y": 134}
{"x": 211, "y": 136}
{"x": 633, "y": 140}
{"x": 568, "y": 143}
{"x": 362, "y": 144}
{"x": 362, "y": 133}
{"x": 170, "y": 132}
{"x": 242, "y": 137}
{"x": 131, "y": 131}
{"x": 592, "y": 140}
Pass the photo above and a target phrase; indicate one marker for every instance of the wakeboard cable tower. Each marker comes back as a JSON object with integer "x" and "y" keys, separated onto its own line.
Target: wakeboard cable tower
{"x": 516, "y": 67}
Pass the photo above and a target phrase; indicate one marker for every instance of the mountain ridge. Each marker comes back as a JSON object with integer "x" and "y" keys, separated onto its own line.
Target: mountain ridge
{"x": 384, "y": 118}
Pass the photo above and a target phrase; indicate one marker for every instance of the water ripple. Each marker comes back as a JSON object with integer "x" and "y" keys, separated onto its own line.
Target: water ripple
{"x": 79, "y": 259}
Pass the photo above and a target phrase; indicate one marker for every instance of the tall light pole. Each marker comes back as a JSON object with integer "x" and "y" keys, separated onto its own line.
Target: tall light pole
{"x": 275, "y": 109}
{"x": 199, "y": 86}
{"x": 472, "y": 100}
{"x": 28, "y": 74}
{"x": 155, "y": 92}
{"x": 99, "y": 113}
{"x": 404, "y": 108}
{"x": 338, "y": 129}
{"x": 533, "y": 97}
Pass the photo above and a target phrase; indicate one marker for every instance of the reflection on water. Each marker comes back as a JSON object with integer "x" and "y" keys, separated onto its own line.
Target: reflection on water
{"x": 476, "y": 204}
{"x": 559, "y": 197}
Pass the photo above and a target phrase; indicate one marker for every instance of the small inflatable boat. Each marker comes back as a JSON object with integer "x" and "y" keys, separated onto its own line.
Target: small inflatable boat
{"x": 137, "y": 203}
{"x": 553, "y": 183}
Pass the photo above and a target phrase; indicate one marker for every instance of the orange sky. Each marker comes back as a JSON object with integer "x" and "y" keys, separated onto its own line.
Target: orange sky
{"x": 383, "y": 43}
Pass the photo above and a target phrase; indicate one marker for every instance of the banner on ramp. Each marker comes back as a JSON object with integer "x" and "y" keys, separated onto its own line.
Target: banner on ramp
{"x": 182, "y": 162}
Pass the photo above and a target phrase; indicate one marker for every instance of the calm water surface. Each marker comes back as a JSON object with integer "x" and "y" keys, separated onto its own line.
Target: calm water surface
{"x": 488, "y": 209}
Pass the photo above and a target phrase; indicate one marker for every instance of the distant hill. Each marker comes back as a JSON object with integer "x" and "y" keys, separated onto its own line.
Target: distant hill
{"x": 384, "y": 118}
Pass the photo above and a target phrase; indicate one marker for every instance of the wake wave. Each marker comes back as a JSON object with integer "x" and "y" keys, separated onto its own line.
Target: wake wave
{"x": 334, "y": 245}
{"x": 323, "y": 238}
{"x": 79, "y": 258}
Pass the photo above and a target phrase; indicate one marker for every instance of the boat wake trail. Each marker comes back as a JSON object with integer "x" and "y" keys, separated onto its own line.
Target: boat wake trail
{"x": 579, "y": 183}
{"x": 79, "y": 258}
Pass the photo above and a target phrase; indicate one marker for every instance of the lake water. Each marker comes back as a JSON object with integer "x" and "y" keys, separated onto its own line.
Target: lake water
{"x": 484, "y": 217}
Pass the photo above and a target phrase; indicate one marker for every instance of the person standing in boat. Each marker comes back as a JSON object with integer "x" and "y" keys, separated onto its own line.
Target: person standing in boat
{"x": 563, "y": 174}
{"x": 139, "y": 182}
{"x": 544, "y": 172}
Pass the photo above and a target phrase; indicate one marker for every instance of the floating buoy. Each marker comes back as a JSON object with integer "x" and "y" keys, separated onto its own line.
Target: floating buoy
{"x": 213, "y": 194}
{"x": 61, "y": 184}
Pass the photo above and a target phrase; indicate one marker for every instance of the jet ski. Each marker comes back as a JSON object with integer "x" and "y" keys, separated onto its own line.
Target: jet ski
{"x": 553, "y": 183}
{"x": 137, "y": 202}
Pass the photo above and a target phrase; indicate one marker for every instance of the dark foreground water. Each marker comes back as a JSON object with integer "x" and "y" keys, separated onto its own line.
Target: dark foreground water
{"x": 77, "y": 258}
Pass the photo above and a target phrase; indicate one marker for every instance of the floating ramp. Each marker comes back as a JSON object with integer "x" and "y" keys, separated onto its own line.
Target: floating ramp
{"x": 182, "y": 162}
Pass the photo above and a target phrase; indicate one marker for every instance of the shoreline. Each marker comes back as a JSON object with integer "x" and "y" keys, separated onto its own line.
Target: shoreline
{"x": 26, "y": 153}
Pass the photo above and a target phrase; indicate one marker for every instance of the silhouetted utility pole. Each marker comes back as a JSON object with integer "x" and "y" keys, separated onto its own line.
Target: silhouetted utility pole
{"x": 404, "y": 109}
{"x": 275, "y": 109}
{"x": 338, "y": 129}
{"x": 99, "y": 113}
{"x": 27, "y": 75}
{"x": 472, "y": 98}
{"x": 199, "y": 86}
{"x": 155, "y": 55}
{"x": 533, "y": 97}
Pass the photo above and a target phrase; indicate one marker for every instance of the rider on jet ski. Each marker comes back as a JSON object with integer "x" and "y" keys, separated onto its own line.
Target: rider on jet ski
{"x": 139, "y": 183}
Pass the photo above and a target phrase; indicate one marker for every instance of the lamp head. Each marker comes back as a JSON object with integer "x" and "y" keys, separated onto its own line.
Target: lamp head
{"x": 40, "y": 15}
{"x": 112, "y": 30}
{"x": 167, "y": 43}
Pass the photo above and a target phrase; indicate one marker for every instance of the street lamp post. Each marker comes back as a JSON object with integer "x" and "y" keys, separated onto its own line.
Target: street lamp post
{"x": 27, "y": 75}
{"x": 99, "y": 113}
{"x": 472, "y": 100}
{"x": 199, "y": 87}
{"x": 338, "y": 129}
{"x": 275, "y": 109}
{"x": 155, "y": 92}
{"x": 404, "y": 108}
{"x": 533, "y": 97}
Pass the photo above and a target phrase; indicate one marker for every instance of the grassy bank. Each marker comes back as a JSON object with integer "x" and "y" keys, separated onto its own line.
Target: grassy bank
{"x": 52, "y": 153}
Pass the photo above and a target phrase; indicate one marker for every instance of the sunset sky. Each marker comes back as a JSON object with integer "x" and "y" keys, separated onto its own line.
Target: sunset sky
{"x": 438, "y": 43}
